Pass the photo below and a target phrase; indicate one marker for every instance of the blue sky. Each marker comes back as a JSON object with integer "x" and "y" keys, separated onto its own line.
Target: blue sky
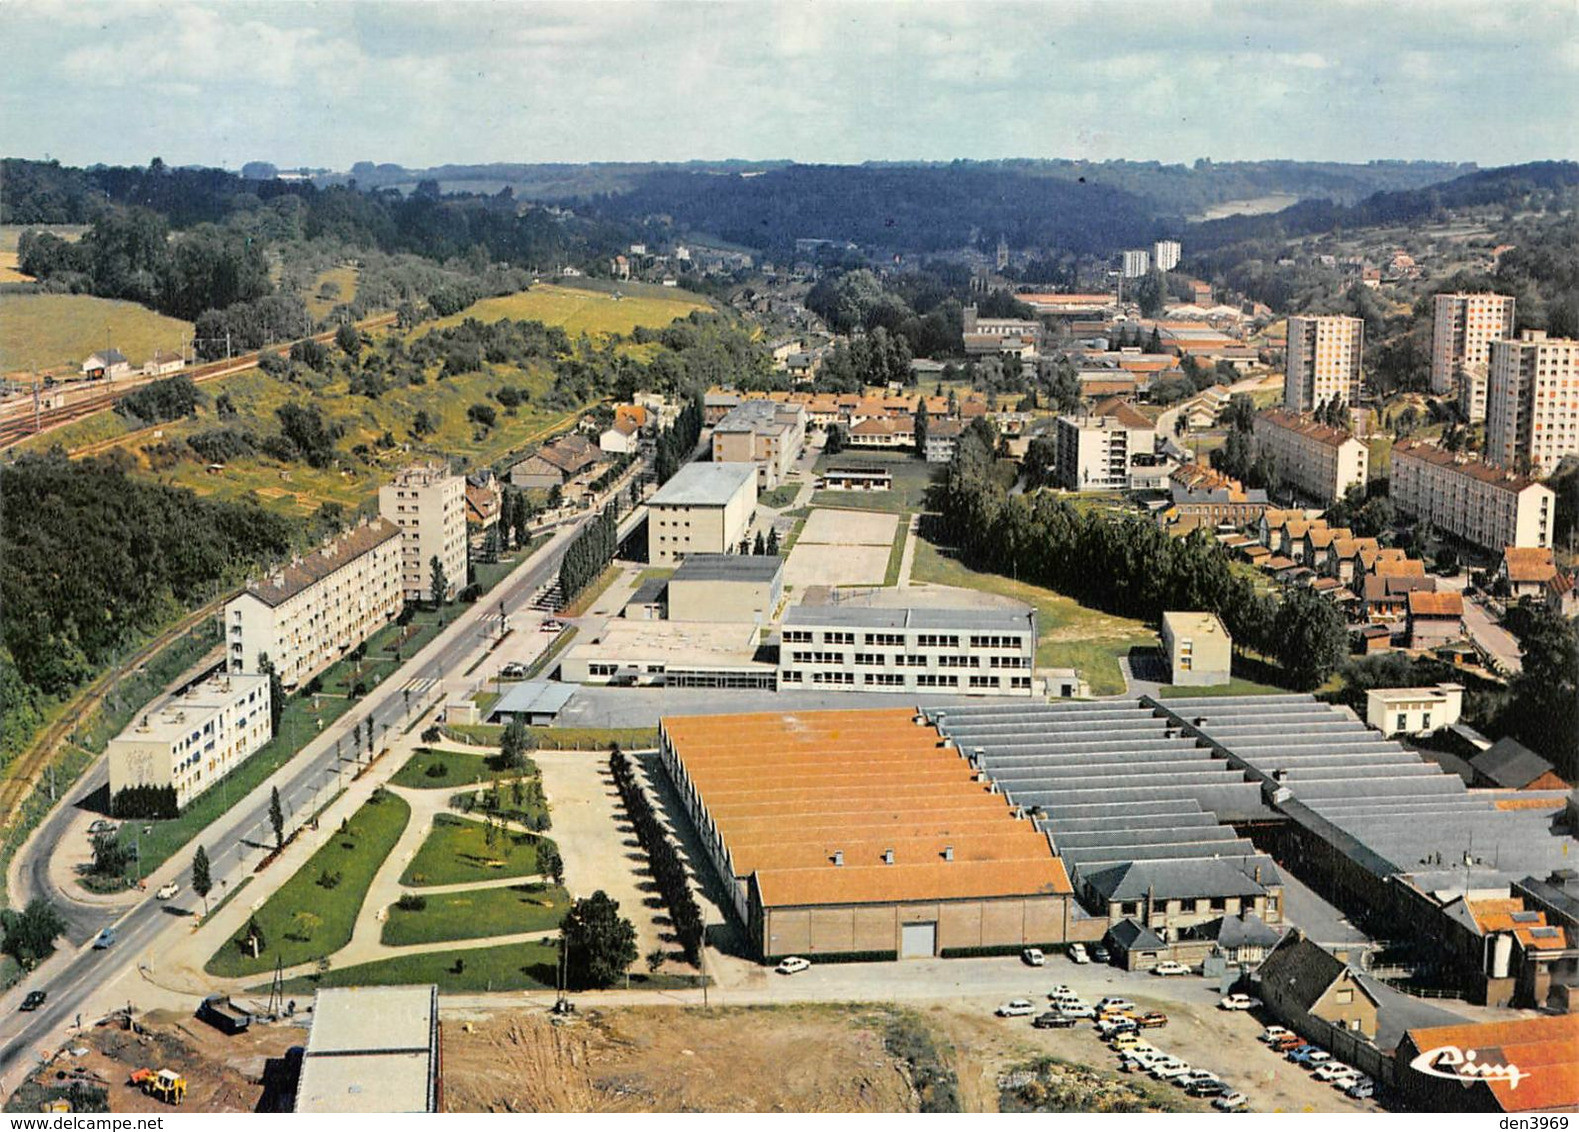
{"x": 331, "y": 82}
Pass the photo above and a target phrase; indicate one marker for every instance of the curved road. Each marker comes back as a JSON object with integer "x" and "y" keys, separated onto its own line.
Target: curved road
{"x": 235, "y": 839}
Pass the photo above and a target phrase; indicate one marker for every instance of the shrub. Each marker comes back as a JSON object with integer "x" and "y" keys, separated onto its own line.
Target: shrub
{"x": 437, "y": 770}
{"x": 411, "y": 902}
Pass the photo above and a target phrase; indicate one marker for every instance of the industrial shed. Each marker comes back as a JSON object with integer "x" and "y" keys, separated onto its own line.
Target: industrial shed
{"x": 373, "y": 1049}
{"x": 862, "y": 833}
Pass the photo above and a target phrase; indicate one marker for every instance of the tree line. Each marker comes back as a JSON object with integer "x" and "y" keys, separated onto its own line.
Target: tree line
{"x": 668, "y": 870}
{"x": 678, "y": 441}
{"x": 592, "y": 550}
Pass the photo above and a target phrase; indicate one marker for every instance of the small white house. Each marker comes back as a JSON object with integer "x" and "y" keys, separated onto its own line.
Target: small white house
{"x": 109, "y": 363}
{"x": 163, "y": 364}
{"x": 620, "y": 437}
{"x": 1413, "y": 711}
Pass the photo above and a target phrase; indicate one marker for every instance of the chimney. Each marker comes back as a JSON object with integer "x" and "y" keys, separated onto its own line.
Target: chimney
{"x": 888, "y": 856}
{"x": 1258, "y": 874}
{"x": 838, "y": 858}
{"x": 948, "y": 852}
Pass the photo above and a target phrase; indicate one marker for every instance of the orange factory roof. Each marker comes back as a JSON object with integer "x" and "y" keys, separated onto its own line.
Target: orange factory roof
{"x": 1542, "y": 1048}
{"x": 786, "y": 791}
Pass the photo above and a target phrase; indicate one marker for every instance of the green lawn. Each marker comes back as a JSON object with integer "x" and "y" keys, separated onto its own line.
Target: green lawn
{"x": 779, "y": 497}
{"x": 478, "y": 914}
{"x": 350, "y": 857}
{"x": 896, "y": 553}
{"x": 912, "y": 478}
{"x": 584, "y": 310}
{"x": 457, "y": 851}
{"x": 1238, "y": 686}
{"x": 566, "y": 738}
{"x": 459, "y": 769}
{"x": 1070, "y": 635}
{"x": 507, "y": 967}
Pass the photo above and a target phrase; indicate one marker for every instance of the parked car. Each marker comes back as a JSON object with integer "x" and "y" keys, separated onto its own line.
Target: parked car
{"x": 1308, "y": 1056}
{"x": 1286, "y": 1044}
{"x": 1275, "y": 1034}
{"x": 1112, "y": 1002}
{"x": 1015, "y": 1008}
{"x": 101, "y": 826}
{"x": 1170, "y": 967}
{"x": 1033, "y": 956}
{"x": 1206, "y": 1087}
{"x": 1062, "y": 990}
{"x": 793, "y": 965}
{"x": 1334, "y": 1071}
{"x": 1077, "y": 953}
{"x": 1100, "y": 954}
{"x": 34, "y": 1000}
{"x": 1238, "y": 1002}
{"x": 1233, "y": 1102}
{"x": 1170, "y": 1068}
{"x": 1110, "y": 1028}
{"x": 1052, "y": 1020}
{"x": 1152, "y": 1020}
{"x": 104, "y": 939}
{"x": 552, "y": 625}
{"x": 512, "y": 671}
{"x": 166, "y": 891}
{"x": 1075, "y": 1008}
{"x": 1361, "y": 1089}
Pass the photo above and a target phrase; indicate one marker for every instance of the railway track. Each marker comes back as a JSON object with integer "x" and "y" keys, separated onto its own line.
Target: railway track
{"x": 21, "y": 425}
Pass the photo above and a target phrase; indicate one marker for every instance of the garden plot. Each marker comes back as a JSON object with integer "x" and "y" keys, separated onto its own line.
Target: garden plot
{"x": 841, "y": 548}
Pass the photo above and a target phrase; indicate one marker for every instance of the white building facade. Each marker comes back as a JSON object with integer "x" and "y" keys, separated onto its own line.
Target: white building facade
{"x": 703, "y": 509}
{"x": 428, "y": 503}
{"x": 1489, "y": 507}
{"x": 1532, "y": 402}
{"x": 1166, "y": 253}
{"x": 1463, "y": 326}
{"x": 192, "y": 740}
{"x": 1318, "y": 462}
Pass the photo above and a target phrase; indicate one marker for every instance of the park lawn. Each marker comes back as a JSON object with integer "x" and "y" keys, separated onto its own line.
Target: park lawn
{"x": 355, "y": 853}
{"x": 477, "y": 914}
{"x": 1238, "y": 686}
{"x": 584, "y": 310}
{"x": 1070, "y": 635}
{"x": 460, "y": 769}
{"x": 912, "y": 478}
{"x": 505, "y": 967}
{"x": 457, "y": 851}
{"x": 58, "y": 331}
{"x": 781, "y": 496}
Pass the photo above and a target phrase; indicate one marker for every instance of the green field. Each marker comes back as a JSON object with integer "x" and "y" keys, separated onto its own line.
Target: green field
{"x": 58, "y": 331}
{"x": 507, "y": 967}
{"x": 565, "y": 738}
{"x": 342, "y": 281}
{"x": 1238, "y": 686}
{"x": 1070, "y": 635}
{"x": 583, "y": 310}
{"x": 329, "y": 887}
{"x": 477, "y": 914}
{"x": 10, "y": 237}
{"x": 912, "y": 477}
{"x": 457, "y": 851}
{"x": 779, "y": 497}
{"x": 459, "y": 770}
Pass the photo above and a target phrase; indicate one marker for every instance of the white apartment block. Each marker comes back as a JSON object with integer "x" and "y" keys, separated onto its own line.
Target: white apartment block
{"x": 310, "y": 613}
{"x": 1318, "y": 462}
{"x": 770, "y": 434}
{"x": 1136, "y": 263}
{"x": 989, "y": 652}
{"x": 1166, "y": 254}
{"x": 1112, "y": 449}
{"x": 703, "y": 509}
{"x": 1532, "y": 402}
{"x": 1463, "y": 326}
{"x": 192, "y": 740}
{"x": 1323, "y": 362}
{"x": 428, "y": 503}
{"x": 1489, "y": 507}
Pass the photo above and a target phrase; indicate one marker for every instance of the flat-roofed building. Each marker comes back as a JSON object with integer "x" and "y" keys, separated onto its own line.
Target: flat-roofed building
{"x": 856, "y": 479}
{"x": 191, "y": 740}
{"x": 1135, "y": 263}
{"x": 1200, "y": 652}
{"x": 1314, "y": 459}
{"x": 428, "y": 503}
{"x": 1165, "y": 254}
{"x": 703, "y": 509}
{"x": 1463, "y": 327}
{"x": 372, "y": 1049}
{"x": 671, "y": 654}
{"x": 1323, "y": 361}
{"x": 861, "y": 833}
{"x": 306, "y": 615}
{"x": 1113, "y": 448}
{"x": 986, "y": 651}
{"x": 1532, "y": 402}
{"x": 770, "y": 434}
{"x": 742, "y": 588}
{"x": 1414, "y": 711}
{"x": 1493, "y": 508}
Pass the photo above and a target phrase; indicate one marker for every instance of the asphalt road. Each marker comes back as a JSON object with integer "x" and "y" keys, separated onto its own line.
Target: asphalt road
{"x": 236, "y": 841}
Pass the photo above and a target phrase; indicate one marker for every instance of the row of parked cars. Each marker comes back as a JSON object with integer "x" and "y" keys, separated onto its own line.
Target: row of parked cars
{"x": 1318, "y": 1062}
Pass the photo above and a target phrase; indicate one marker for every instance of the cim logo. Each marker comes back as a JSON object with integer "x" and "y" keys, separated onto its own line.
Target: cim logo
{"x": 1460, "y": 1065}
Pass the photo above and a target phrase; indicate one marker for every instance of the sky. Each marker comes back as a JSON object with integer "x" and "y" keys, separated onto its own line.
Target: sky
{"x": 325, "y": 83}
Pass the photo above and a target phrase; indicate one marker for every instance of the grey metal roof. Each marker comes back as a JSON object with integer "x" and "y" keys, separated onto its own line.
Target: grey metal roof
{"x": 729, "y": 568}
{"x": 988, "y": 620}
{"x": 1183, "y": 879}
{"x": 704, "y": 485}
{"x": 649, "y": 592}
{"x": 1131, "y": 935}
{"x": 1510, "y": 763}
{"x": 532, "y": 697}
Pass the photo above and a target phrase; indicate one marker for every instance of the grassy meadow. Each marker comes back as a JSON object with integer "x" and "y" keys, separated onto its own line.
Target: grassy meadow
{"x": 58, "y": 331}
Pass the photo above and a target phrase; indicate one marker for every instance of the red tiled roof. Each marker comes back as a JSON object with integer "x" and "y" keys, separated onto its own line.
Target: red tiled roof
{"x": 1427, "y": 603}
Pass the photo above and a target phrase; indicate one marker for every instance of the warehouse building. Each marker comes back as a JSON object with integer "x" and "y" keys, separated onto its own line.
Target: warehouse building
{"x": 194, "y": 738}
{"x": 703, "y": 509}
{"x": 373, "y": 1049}
{"x": 1435, "y": 1068}
{"x": 860, "y": 833}
{"x": 984, "y": 651}
{"x": 745, "y": 588}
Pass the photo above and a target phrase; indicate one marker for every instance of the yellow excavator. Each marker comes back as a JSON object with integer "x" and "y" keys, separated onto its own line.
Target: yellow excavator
{"x": 168, "y": 1085}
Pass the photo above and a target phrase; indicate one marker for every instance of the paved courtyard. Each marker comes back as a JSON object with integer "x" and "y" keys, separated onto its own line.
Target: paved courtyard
{"x": 841, "y": 548}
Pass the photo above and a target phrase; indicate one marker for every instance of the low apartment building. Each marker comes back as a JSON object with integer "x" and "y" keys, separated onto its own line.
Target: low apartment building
{"x": 1532, "y": 402}
{"x": 1458, "y": 493}
{"x": 1318, "y": 462}
{"x": 770, "y": 434}
{"x": 1200, "y": 652}
{"x": 871, "y": 649}
{"x": 1112, "y": 449}
{"x": 191, "y": 740}
{"x": 308, "y": 614}
{"x": 428, "y": 503}
{"x": 703, "y": 509}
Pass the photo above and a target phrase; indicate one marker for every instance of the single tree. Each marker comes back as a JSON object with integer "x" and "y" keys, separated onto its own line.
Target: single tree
{"x": 598, "y": 943}
{"x": 29, "y": 935}
{"x": 202, "y": 877}
{"x": 655, "y": 960}
{"x": 549, "y": 862}
{"x": 515, "y": 744}
{"x": 773, "y": 542}
{"x": 276, "y": 692}
{"x": 439, "y": 584}
{"x": 277, "y": 817}
{"x": 1310, "y": 638}
{"x": 759, "y": 546}
{"x": 921, "y": 427}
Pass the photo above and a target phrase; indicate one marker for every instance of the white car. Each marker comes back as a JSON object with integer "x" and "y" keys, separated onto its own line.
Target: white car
{"x": 1275, "y": 1034}
{"x": 1033, "y": 956}
{"x": 1077, "y": 953}
{"x": 1074, "y": 1008}
{"x": 1062, "y": 990}
{"x": 1336, "y": 1073}
{"x": 166, "y": 892}
{"x": 1112, "y": 1002}
{"x": 1015, "y": 1008}
{"x": 1170, "y": 967}
{"x": 1169, "y": 1068}
{"x": 1233, "y": 1102}
{"x": 793, "y": 965}
{"x": 1361, "y": 1089}
{"x": 1239, "y": 1002}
